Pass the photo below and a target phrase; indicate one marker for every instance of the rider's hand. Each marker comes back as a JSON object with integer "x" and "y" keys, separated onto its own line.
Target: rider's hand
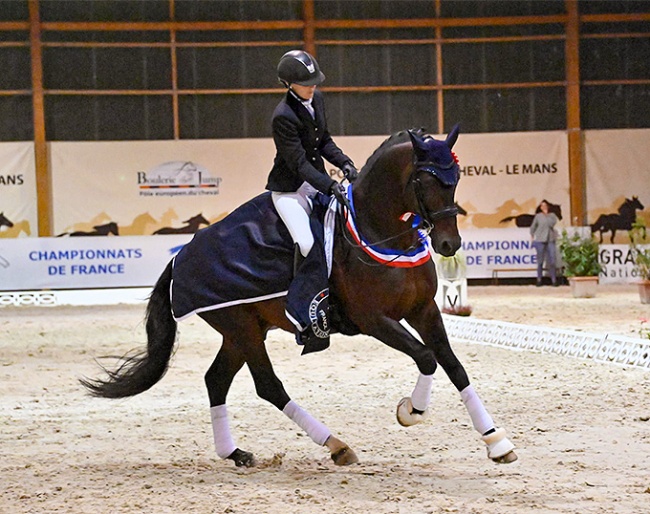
{"x": 338, "y": 191}
{"x": 350, "y": 172}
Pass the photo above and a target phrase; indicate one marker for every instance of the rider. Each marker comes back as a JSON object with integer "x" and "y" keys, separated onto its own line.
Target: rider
{"x": 302, "y": 141}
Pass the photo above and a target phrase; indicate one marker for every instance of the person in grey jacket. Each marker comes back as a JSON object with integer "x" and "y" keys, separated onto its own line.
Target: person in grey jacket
{"x": 542, "y": 232}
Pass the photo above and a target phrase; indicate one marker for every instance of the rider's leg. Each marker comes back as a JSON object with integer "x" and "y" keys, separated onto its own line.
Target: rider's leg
{"x": 294, "y": 210}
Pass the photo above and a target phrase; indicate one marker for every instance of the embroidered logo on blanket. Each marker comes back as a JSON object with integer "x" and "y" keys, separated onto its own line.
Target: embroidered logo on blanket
{"x": 318, "y": 309}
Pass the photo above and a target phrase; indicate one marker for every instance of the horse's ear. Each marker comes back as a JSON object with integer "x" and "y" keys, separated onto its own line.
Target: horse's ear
{"x": 418, "y": 143}
{"x": 452, "y": 136}
{"x": 415, "y": 139}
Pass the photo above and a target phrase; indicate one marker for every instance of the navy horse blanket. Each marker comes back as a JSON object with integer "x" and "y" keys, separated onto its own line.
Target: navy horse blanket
{"x": 248, "y": 257}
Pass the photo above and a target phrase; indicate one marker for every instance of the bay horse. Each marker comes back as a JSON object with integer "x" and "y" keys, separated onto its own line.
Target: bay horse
{"x": 621, "y": 221}
{"x": 382, "y": 273}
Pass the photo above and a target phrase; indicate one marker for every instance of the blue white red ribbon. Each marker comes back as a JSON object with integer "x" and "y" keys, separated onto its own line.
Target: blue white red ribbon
{"x": 417, "y": 256}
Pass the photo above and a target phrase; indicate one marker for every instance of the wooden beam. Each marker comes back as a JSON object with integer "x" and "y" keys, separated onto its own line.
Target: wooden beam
{"x": 616, "y": 18}
{"x": 43, "y": 179}
{"x": 174, "y": 74}
{"x": 14, "y": 25}
{"x": 440, "y": 22}
{"x": 309, "y": 30}
{"x": 577, "y": 178}
{"x": 165, "y": 26}
{"x": 440, "y": 101}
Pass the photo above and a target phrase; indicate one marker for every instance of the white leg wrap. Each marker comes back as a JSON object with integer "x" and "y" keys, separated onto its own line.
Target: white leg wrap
{"x": 223, "y": 442}
{"x": 498, "y": 444}
{"x": 421, "y": 395}
{"x": 318, "y": 432}
{"x": 481, "y": 420}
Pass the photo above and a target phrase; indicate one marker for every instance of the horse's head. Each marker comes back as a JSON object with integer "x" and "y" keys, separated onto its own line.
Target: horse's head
{"x": 5, "y": 221}
{"x": 197, "y": 220}
{"x": 434, "y": 178}
{"x": 635, "y": 203}
{"x": 108, "y": 228}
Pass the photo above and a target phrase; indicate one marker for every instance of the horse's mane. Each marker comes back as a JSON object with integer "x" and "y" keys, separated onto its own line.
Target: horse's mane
{"x": 395, "y": 139}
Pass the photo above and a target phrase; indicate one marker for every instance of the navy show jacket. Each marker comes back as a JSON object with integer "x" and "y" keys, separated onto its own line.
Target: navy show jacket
{"x": 301, "y": 143}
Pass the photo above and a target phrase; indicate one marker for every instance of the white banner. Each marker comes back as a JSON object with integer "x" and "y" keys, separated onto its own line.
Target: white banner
{"x": 487, "y": 250}
{"x": 146, "y": 186}
{"x": 618, "y": 181}
{"x": 18, "y": 208}
{"x": 504, "y": 177}
{"x": 85, "y": 262}
{"x": 137, "y": 261}
{"x": 618, "y": 265}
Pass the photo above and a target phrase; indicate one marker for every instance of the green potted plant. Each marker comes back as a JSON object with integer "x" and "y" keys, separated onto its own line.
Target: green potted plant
{"x": 580, "y": 257}
{"x": 640, "y": 247}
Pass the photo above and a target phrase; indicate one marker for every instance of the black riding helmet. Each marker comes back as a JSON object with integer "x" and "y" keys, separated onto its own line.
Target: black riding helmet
{"x": 298, "y": 67}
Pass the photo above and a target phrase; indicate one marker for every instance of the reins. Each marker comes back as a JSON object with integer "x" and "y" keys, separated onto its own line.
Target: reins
{"x": 424, "y": 226}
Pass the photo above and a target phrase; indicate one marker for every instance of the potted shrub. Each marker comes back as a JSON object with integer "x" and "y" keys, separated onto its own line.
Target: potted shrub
{"x": 640, "y": 247}
{"x": 580, "y": 256}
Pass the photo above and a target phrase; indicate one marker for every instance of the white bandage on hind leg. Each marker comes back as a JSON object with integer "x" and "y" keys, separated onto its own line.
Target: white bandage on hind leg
{"x": 223, "y": 442}
{"x": 481, "y": 420}
{"x": 421, "y": 395}
{"x": 318, "y": 432}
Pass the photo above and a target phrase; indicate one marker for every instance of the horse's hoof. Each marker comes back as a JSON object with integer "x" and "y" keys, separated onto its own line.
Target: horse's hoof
{"x": 499, "y": 446}
{"x": 507, "y": 458}
{"x": 405, "y": 415}
{"x": 344, "y": 457}
{"x": 243, "y": 459}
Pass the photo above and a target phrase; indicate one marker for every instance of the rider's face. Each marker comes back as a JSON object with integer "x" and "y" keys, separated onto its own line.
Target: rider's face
{"x": 304, "y": 92}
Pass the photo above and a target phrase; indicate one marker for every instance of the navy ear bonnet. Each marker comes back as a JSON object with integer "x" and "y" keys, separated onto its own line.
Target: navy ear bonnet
{"x": 435, "y": 157}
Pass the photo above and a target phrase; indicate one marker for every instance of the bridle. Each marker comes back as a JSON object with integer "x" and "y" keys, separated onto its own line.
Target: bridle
{"x": 447, "y": 175}
{"x": 424, "y": 219}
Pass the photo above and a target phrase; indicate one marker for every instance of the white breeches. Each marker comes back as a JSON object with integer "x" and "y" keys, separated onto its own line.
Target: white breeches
{"x": 294, "y": 210}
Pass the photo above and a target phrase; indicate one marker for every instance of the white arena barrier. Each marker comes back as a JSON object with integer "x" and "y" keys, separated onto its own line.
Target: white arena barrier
{"x": 607, "y": 348}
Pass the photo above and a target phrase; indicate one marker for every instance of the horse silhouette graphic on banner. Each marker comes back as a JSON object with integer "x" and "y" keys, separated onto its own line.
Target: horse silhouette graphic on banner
{"x": 191, "y": 227}
{"x": 618, "y": 221}
{"x": 526, "y": 220}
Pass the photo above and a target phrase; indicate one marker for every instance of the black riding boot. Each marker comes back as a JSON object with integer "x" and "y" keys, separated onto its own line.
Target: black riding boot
{"x": 298, "y": 259}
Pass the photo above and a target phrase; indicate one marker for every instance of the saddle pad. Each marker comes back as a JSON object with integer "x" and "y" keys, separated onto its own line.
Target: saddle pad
{"x": 244, "y": 258}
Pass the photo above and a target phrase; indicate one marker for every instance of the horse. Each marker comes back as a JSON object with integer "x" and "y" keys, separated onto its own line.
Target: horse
{"x": 402, "y": 208}
{"x": 99, "y": 230}
{"x": 526, "y": 220}
{"x": 192, "y": 225}
{"x": 4, "y": 221}
{"x": 621, "y": 221}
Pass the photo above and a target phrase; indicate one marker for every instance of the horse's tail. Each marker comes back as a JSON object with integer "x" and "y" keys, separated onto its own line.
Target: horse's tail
{"x": 139, "y": 372}
{"x": 506, "y": 220}
{"x": 598, "y": 224}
